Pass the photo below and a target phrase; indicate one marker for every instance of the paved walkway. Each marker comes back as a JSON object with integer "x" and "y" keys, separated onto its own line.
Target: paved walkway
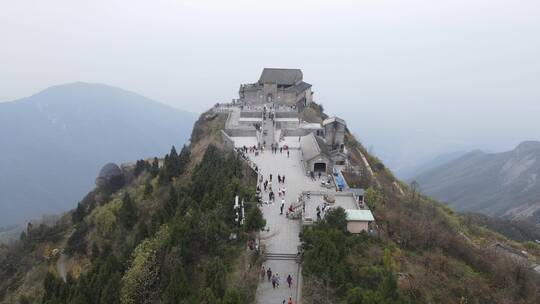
{"x": 283, "y": 235}
{"x": 281, "y": 241}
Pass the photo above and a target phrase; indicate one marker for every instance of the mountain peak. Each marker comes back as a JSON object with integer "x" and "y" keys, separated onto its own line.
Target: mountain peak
{"x": 528, "y": 146}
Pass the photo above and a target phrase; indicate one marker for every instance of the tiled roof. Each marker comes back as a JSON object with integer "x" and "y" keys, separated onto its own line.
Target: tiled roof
{"x": 281, "y": 76}
{"x": 363, "y": 215}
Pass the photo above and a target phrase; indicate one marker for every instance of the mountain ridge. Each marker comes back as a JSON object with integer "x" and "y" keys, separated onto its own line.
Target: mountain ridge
{"x": 170, "y": 234}
{"x": 76, "y": 128}
{"x": 500, "y": 184}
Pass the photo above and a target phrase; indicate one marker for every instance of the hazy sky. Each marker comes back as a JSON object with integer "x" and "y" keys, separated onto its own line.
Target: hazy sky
{"x": 412, "y": 78}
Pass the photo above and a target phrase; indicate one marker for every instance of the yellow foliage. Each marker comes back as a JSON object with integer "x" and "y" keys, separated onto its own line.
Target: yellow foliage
{"x": 104, "y": 217}
{"x": 142, "y": 272}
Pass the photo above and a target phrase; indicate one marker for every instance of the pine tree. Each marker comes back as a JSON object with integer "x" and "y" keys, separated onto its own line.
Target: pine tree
{"x": 178, "y": 287}
{"x": 110, "y": 292}
{"x": 154, "y": 169}
{"x": 172, "y": 164}
{"x": 337, "y": 218}
{"x": 254, "y": 220}
{"x": 172, "y": 202}
{"x": 79, "y": 213}
{"x": 95, "y": 252}
{"x": 183, "y": 159}
{"x": 232, "y": 296}
{"x": 148, "y": 189}
{"x": 215, "y": 274}
{"x": 140, "y": 166}
{"x": 128, "y": 212}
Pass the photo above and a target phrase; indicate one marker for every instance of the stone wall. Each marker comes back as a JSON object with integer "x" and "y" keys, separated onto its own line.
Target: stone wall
{"x": 251, "y": 114}
{"x": 241, "y": 132}
{"x": 286, "y": 114}
{"x": 227, "y": 141}
{"x": 252, "y": 97}
{"x": 334, "y": 133}
{"x": 294, "y": 132}
{"x": 278, "y": 95}
{"x": 287, "y": 124}
{"x": 288, "y": 98}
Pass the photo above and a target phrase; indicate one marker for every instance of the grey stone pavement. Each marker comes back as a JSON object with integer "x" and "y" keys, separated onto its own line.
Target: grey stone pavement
{"x": 283, "y": 234}
{"x": 282, "y": 237}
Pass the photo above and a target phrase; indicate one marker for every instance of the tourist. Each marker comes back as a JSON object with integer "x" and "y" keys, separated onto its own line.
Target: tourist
{"x": 274, "y": 281}
{"x": 270, "y": 177}
{"x": 279, "y": 179}
{"x": 282, "y": 205}
{"x": 281, "y": 150}
{"x": 287, "y": 153}
{"x": 319, "y": 175}
{"x": 283, "y": 179}
{"x": 283, "y": 191}
{"x": 269, "y": 273}
{"x": 290, "y": 301}
{"x": 263, "y": 272}
{"x": 277, "y": 279}
{"x": 289, "y": 280}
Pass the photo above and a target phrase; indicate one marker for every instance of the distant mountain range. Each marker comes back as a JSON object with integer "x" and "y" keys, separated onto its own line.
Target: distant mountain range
{"x": 421, "y": 167}
{"x": 498, "y": 184}
{"x": 53, "y": 144}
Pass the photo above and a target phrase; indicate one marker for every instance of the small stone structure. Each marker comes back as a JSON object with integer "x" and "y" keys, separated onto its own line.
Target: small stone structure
{"x": 359, "y": 220}
{"x": 334, "y": 130}
{"x": 315, "y": 153}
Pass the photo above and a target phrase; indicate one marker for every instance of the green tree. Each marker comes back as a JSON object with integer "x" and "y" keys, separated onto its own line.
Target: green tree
{"x": 154, "y": 169}
{"x": 95, "y": 252}
{"x": 178, "y": 287}
{"x": 215, "y": 274}
{"x": 140, "y": 166}
{"x": 233, "y": 296}
{"x": 148, "y": 189}
{"x": 110, "y": 292}
{"x": 127, "y": 212}
{"x": 254, "y": 220}
{"x": 172, "y": 202}
{"x": 337, "y": 218}
{"x": 79, "y": 213}
{"x": 76, "y": 242}
{"x": 373, "y": 198}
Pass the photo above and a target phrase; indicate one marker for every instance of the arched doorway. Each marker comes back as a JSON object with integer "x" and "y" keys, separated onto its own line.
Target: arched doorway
{"x": 319, "y": 167}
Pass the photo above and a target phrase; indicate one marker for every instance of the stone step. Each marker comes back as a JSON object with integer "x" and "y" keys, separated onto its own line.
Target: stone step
{"x": 281, "y": 256}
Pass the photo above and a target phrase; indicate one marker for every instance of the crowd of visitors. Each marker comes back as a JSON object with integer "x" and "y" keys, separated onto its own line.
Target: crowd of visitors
{"x": 274, "y": 279}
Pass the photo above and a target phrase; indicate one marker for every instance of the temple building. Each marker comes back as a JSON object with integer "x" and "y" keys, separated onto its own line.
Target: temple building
{"x": 323, "y": 149}
{"x": 283, "y": 86}
{"x": 315, "y": 154}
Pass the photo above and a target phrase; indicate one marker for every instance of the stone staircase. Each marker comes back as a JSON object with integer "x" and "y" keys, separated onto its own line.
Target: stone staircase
{"x": 282, "y": 256}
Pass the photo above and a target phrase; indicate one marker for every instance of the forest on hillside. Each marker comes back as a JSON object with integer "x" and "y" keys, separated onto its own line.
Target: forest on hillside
{"x": 167, "y": 233}
{"x": 164, "y": 236}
